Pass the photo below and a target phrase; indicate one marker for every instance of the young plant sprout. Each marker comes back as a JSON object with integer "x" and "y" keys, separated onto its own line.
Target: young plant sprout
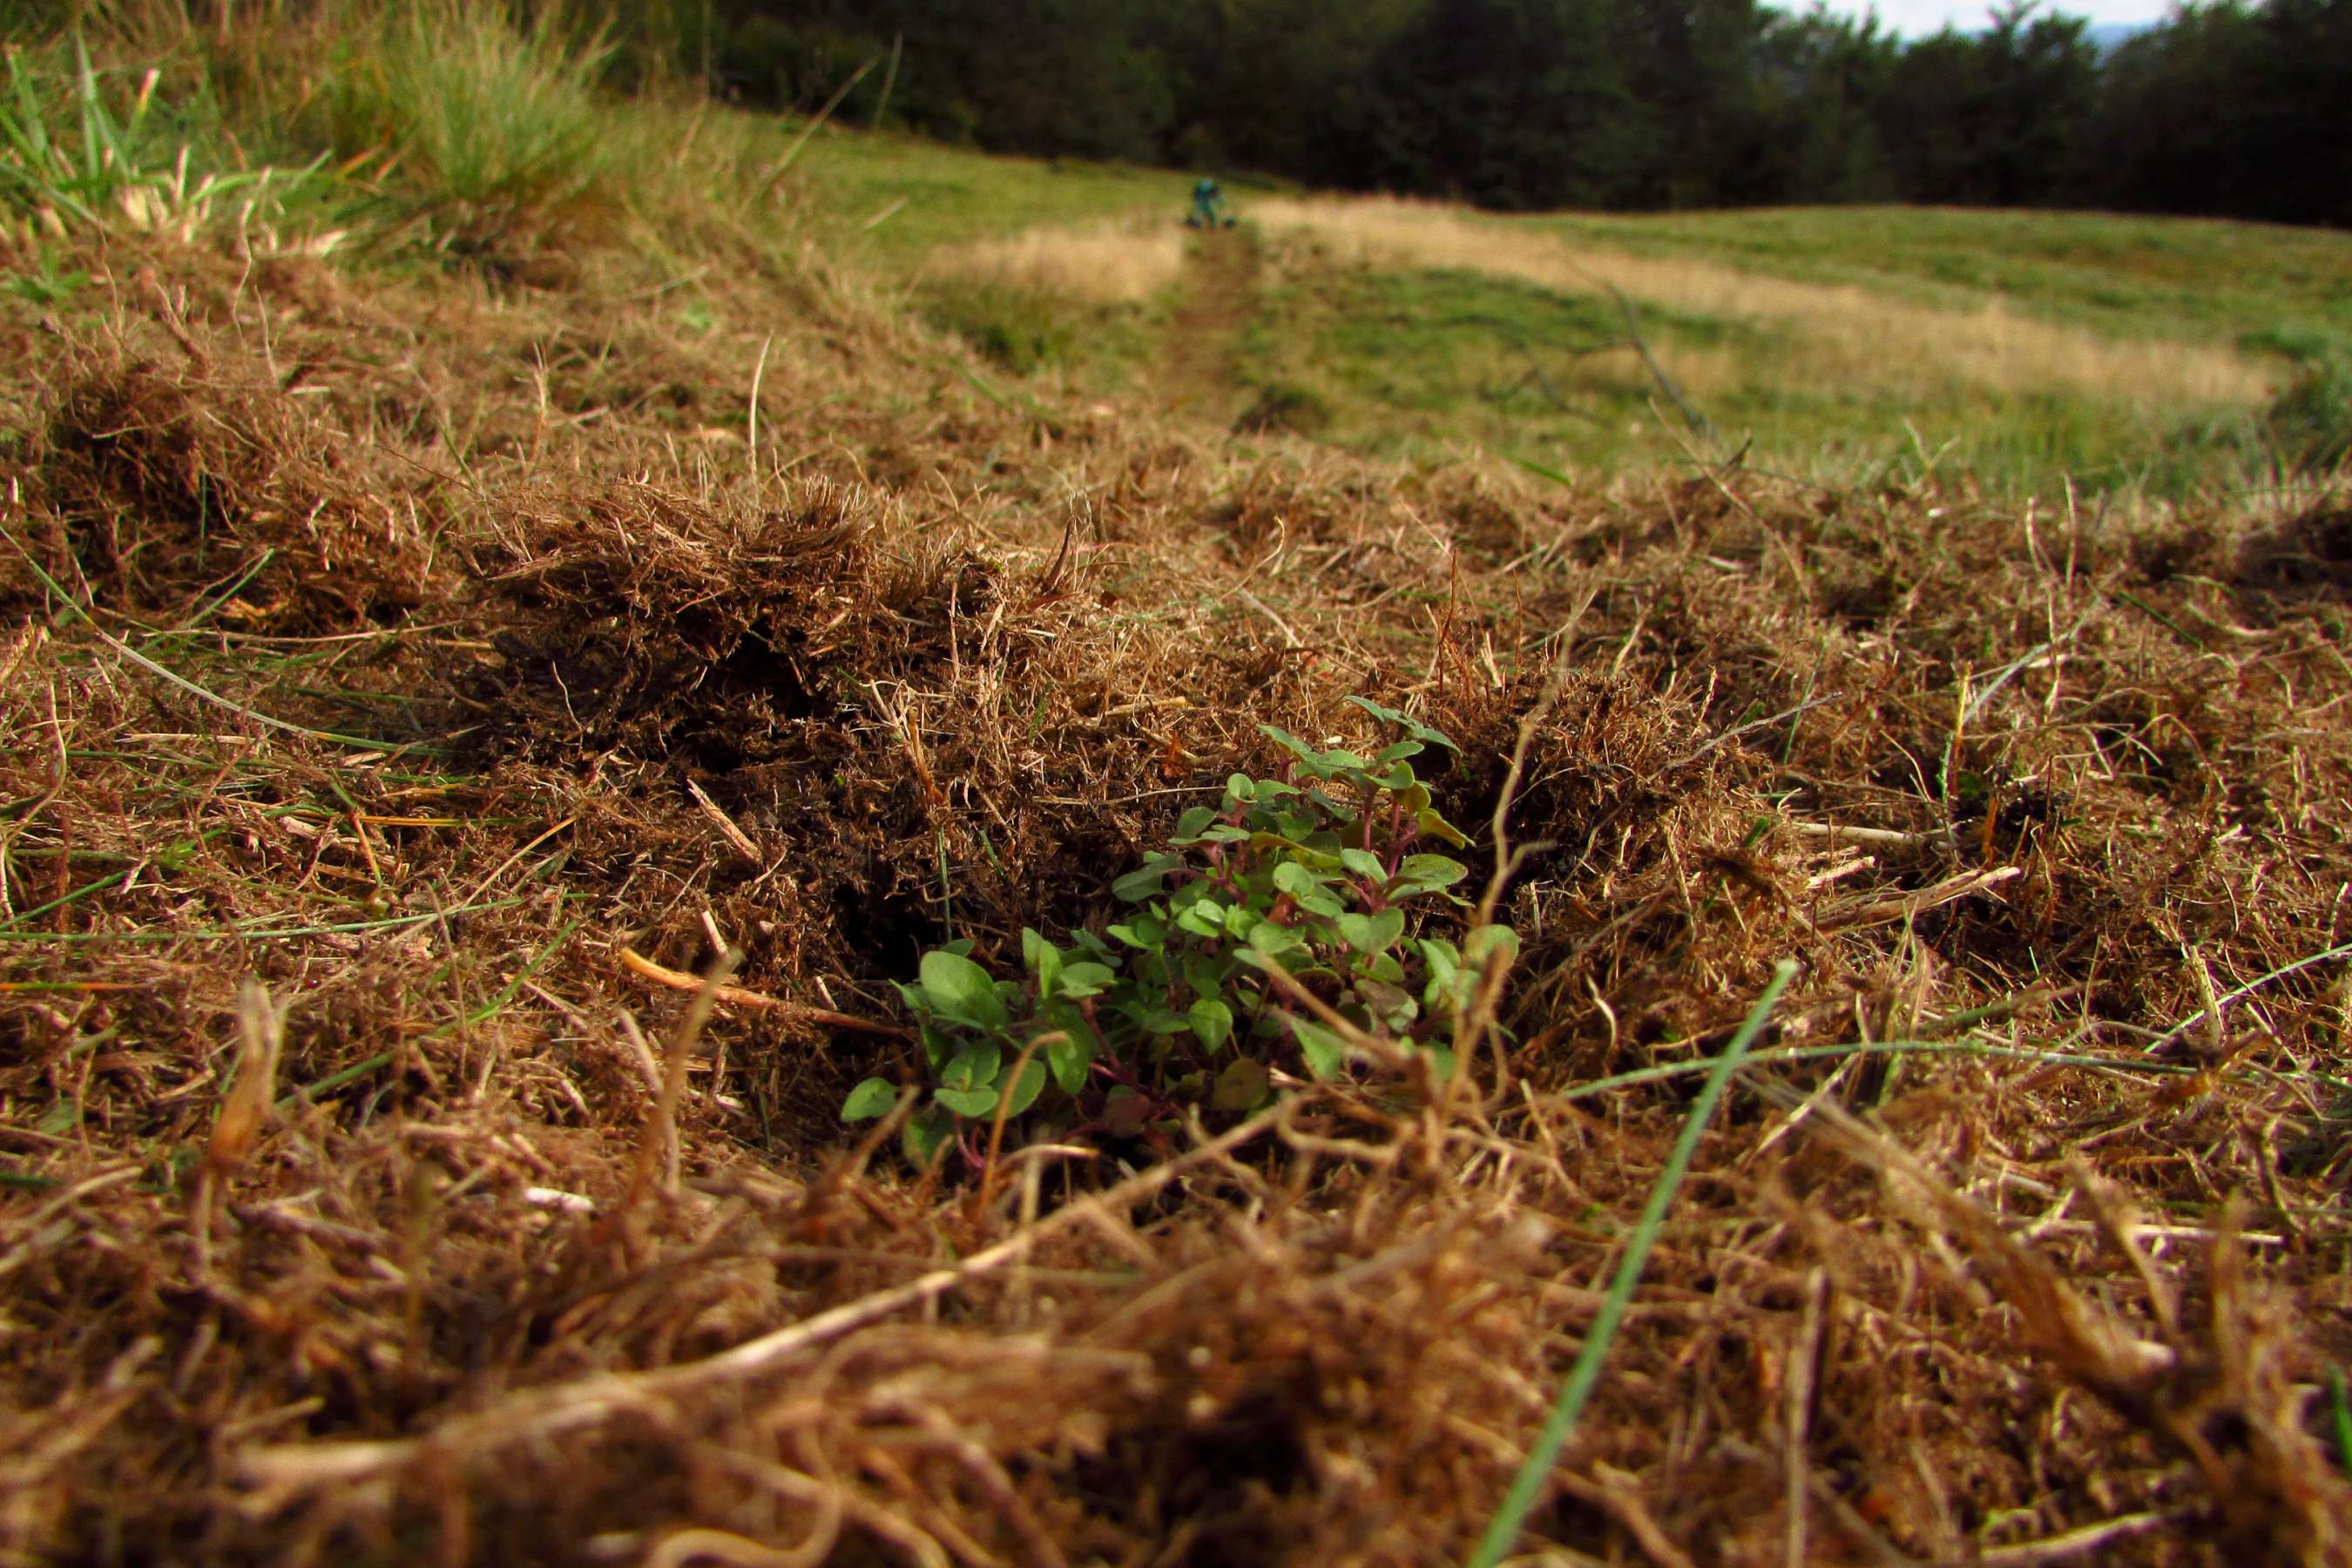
{"x": 1316, "y": 875}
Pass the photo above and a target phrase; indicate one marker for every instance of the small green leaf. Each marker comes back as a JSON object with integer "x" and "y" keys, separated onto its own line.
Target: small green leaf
{"x": 1326, "y": 1052}
{"x": 1244, "y": 1085}
{"x": 1070, "y": 1055}
{"x": 1322, "y": 901}
{"x": 873, "y": 1097}
{"x": 1392, "y": 1005}
{"x": 1489, "y": 939}
{"x": 1190, "y": 825}
{"x": 1433, "y": 826}
{"x": 1202, "y": 917}
{"x": 1205, "y": 974}
{"x": 1289, "y": 743}
{"x": 1239, "y": 787}
{"x": 1295, "y": 880}
{"x": 1364, "y": 864}
{"x": 925, "y": 1134}
{"x": 1026, "y": 1089}
{"x": 968, "y": 1101}
{"x": 1212, "y": 1021}
{"x": 1370, "y": 933}
{"x": 1143, "y": 933}
{"x": 1268, "y": 938}
{"x": 1433, "y": 870}
{"x": 1085, "y": 979}
{"x": 1145, "y": 881}
{"x": 1414, "y": 727}
{"x": 974, "y": 1066}
{"x": 1045, "y": 961}
{"x": 1125, "y": 1112}
{"x": 961, "y": 989}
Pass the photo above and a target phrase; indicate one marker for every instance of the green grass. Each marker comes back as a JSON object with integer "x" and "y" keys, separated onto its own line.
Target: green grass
{"x": 2125, "y": 275}
{"x": 895, "y": 201}
{"x": 1409, "y": 362}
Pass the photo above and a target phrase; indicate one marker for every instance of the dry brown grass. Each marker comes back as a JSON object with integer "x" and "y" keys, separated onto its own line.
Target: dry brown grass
{"x": 1840, "y": 336}
{"x": 2054, "y": 779}
{"x": 1107, "y": 264}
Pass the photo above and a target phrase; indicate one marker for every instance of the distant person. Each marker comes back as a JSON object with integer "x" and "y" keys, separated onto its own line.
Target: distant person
{"x": 1209, "y": 210}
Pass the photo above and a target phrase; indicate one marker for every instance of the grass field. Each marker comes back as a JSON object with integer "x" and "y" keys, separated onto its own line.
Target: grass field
{"x": 2025, "y": 349}
{"x": 725, "y": 846}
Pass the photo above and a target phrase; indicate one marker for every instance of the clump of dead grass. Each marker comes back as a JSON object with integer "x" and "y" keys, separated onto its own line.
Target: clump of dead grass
{"x": 2048, "y": 807}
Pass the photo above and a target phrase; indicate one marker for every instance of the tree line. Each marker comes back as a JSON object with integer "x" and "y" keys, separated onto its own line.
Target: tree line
{"x": 2227, "y": 109}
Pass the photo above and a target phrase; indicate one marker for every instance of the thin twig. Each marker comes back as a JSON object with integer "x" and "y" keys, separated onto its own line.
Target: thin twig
{"x": 736, "y": 996}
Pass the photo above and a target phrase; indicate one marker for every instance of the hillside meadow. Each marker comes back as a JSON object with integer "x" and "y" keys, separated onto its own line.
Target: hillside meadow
{"x": 741, "y": 843}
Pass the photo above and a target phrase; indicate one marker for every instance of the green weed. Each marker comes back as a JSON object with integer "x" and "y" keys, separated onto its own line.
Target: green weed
{"x": 1293, "y": 888}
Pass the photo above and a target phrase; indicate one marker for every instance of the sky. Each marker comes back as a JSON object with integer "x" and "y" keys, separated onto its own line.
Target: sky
{"x": 1918, "y": 18}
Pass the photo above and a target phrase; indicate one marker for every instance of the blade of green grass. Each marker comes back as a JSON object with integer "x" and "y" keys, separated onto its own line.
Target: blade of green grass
{"x": 1528, "y": 1487}
{"x": 310, "y": 1093}
{"x": 2343, "y": 1402}
{"x": 1540, "y": 470}
{"x": 489, "y": 1009}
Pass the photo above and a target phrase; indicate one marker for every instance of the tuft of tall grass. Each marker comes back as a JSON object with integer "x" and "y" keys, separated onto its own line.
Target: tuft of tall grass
{"x": 71, "y": 155}
{"x": 488, "y": 123}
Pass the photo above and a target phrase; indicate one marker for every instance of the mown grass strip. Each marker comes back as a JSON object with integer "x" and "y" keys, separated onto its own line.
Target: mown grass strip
{"x": 228, "y": 933}
{"x": 1528, "y": 1487}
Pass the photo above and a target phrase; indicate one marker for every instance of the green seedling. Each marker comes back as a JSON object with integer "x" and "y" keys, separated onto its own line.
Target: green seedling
{"x": 1313, "y": 882}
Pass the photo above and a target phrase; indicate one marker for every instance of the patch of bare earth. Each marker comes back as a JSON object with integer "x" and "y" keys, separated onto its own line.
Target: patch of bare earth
{"x": 445, "y": 664}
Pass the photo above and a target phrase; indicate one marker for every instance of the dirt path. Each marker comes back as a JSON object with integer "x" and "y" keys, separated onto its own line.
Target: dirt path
{"x": 1220, "y": 277}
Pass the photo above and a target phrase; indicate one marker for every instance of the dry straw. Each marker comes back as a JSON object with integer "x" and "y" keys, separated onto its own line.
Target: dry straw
{"x": 1109, "y": 264}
